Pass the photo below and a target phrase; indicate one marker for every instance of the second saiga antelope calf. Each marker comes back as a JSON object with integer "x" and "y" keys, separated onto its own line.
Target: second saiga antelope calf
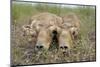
{"x": 45, "y": 27}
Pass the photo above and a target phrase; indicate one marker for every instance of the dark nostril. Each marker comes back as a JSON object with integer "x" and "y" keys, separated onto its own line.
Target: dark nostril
{"x": 37, "y": 46}
{"x": 61, "y": 47}
{"x": 41, "y": 47}
{"x": 65, "y": 47}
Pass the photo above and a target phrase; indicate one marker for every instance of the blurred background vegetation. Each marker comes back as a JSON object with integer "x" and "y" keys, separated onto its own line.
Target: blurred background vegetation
{"x": 22, "y": 54}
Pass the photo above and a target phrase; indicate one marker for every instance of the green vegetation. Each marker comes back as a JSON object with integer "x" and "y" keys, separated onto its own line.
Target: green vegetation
{"x": 23, "y": 52}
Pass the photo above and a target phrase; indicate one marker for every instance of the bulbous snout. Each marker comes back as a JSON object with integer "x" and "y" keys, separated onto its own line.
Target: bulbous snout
{"x": 39, "y": 46}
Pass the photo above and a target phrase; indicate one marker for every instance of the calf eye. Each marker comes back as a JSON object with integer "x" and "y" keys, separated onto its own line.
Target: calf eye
{"x": 32, "y": 35}
{"x": 65, "y": 47}
{"x": 27, "y": 26}
{"x": 40, "y": 24}
{"x": 73, "y": 33}
{"x": 61, "y": 47}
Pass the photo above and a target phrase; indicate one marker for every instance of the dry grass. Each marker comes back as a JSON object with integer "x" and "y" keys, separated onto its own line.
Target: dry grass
{"x": 22, "y": 52}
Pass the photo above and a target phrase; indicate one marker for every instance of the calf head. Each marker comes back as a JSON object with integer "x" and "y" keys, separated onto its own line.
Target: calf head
{"x": 71, "y": 22}
{"x": 43, "y": 39}
{"x": 65, "y": 41}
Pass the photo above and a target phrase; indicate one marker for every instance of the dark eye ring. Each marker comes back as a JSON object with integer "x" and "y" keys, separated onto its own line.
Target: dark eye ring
{"x": 74, "y": 33}
{"x": 40, "y": 24}
{"x": 32, "y": 35}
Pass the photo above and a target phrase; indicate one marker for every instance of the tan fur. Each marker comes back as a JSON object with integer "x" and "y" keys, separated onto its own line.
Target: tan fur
{"x": 28, "y": 30}
{"x": 45, "y": 20}
{"x": 44, "y": 38}
{"x": 42, "y": 25}
{"x": 65, "y": 39}
{"x": 72, "y": 22}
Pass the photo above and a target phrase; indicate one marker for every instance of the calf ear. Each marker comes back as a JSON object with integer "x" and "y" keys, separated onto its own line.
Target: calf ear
{"x": 24, "y": 29}
{"x": 74, "y": 32}
{"x": 32, "y": 23}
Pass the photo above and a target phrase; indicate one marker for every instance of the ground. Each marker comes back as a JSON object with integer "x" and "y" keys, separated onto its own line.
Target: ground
{"x": 22, "y": 52}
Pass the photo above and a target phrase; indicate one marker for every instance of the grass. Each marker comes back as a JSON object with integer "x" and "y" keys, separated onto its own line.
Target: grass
{"x": 22, "y": 52}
